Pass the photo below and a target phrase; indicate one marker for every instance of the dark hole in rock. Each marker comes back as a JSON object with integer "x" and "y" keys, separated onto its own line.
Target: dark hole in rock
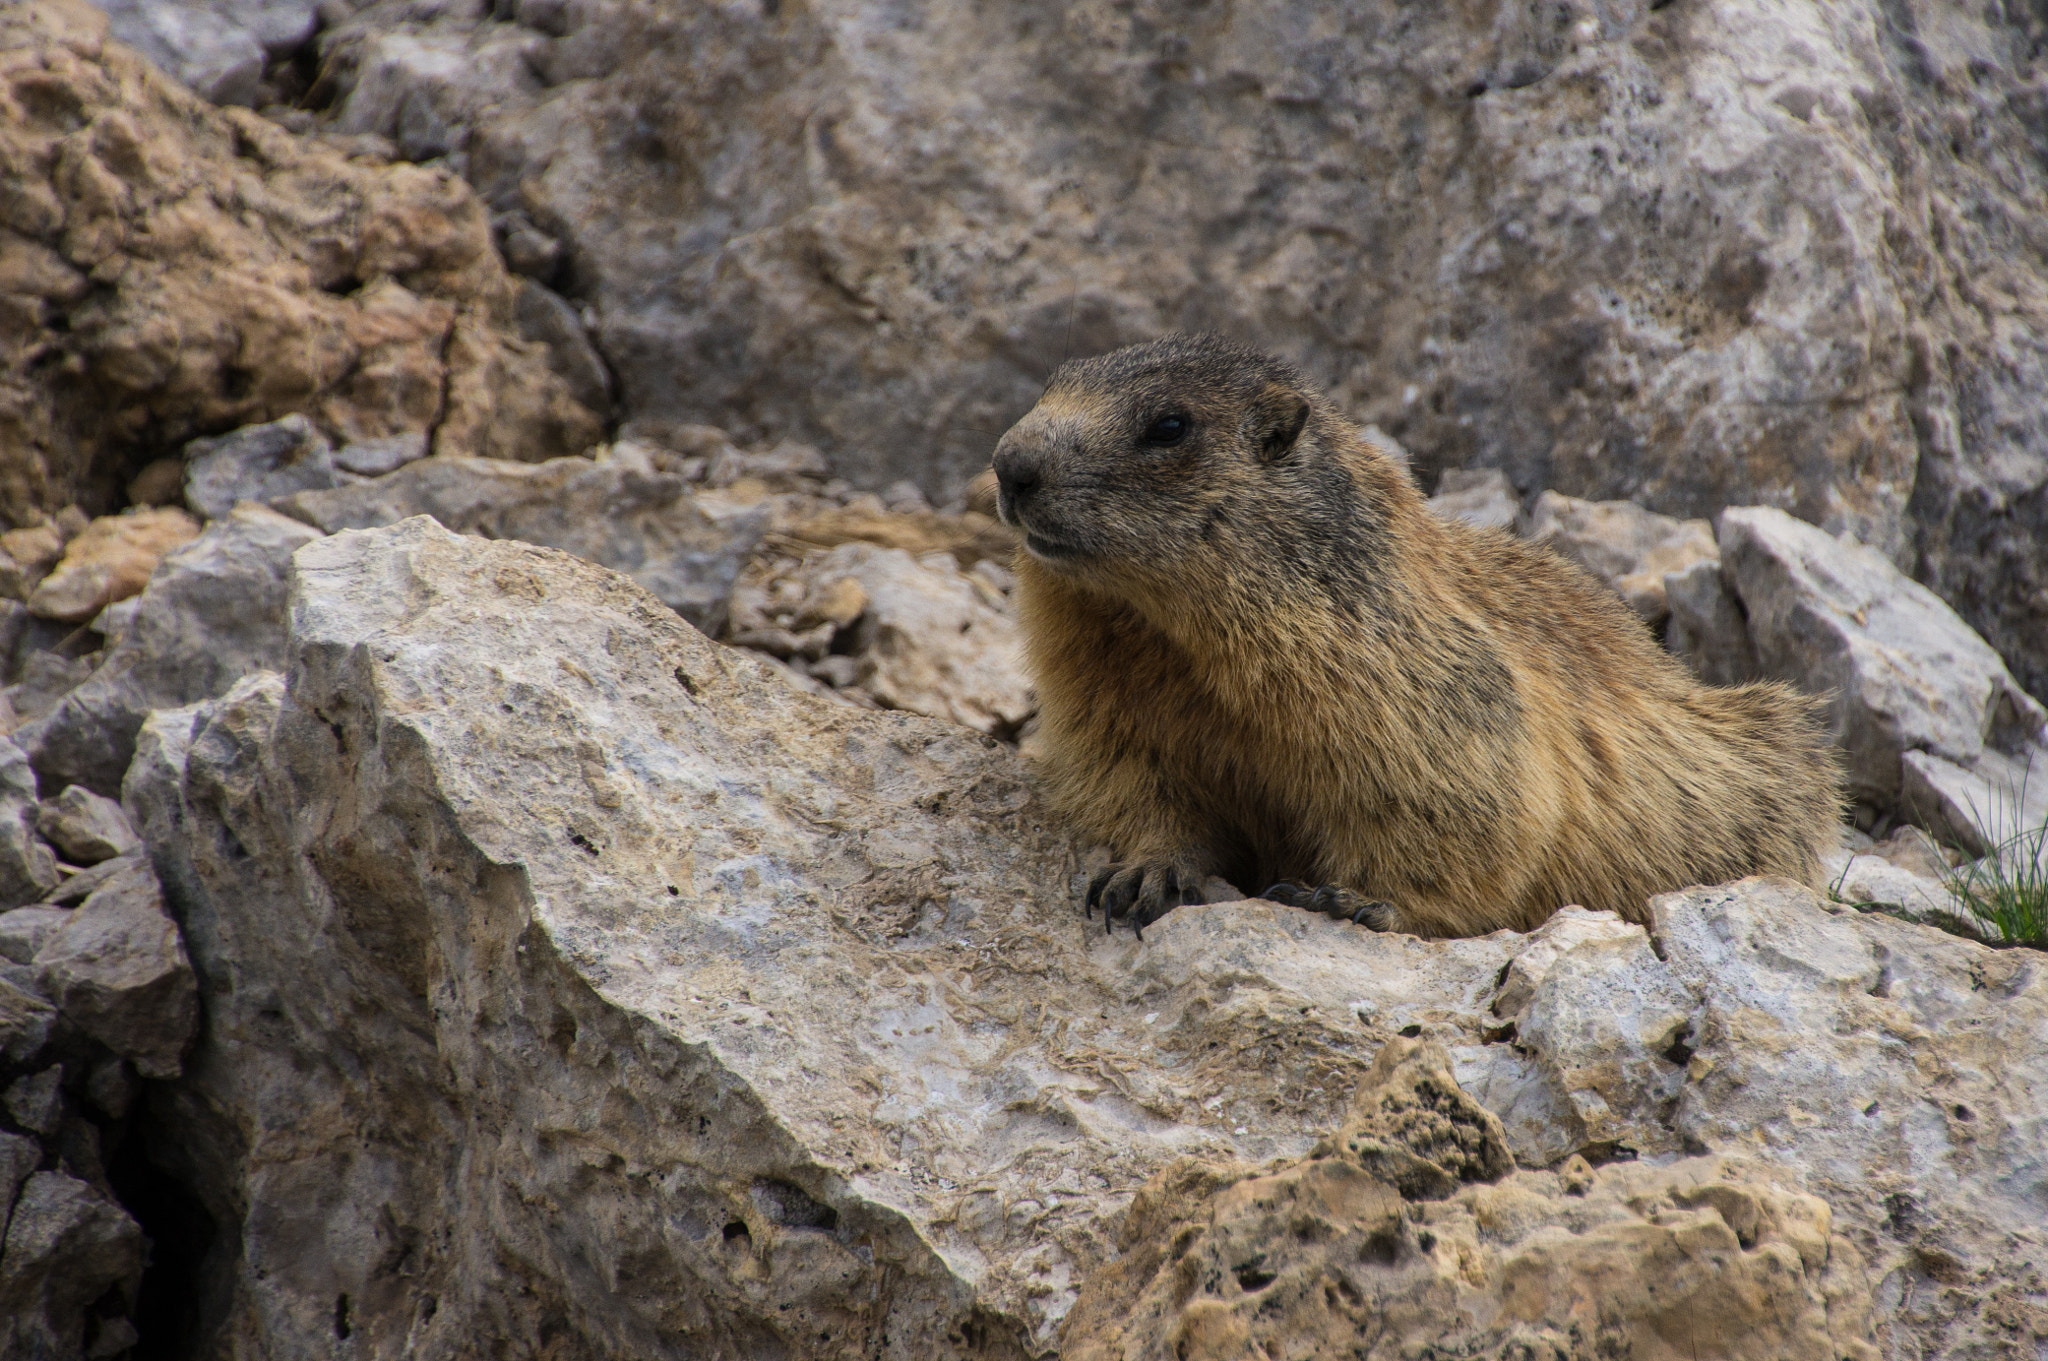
{"x": 169, "y": 1314}
{"x": 1411, "y": 1031}
{"x": 341, "y": 1324}
{"x": 1254, "y": 1276}
{"x": 1381, "y": 1248}
{"x": 792, "y": 1208}
{"x": 1680, "y": 1050}
{"x": 737, "y": 1229}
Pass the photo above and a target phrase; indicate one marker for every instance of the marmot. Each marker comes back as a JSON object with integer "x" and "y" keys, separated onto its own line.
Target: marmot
{"x": 1260, "y": 655}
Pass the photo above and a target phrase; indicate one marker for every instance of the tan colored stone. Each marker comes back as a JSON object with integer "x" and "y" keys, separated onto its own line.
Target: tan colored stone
{"x": 238, "y": 273}
{"x": 1626, "y": 546}
{"x": 110, "y": 561}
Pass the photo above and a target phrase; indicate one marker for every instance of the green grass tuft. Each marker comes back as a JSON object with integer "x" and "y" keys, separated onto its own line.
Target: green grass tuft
{"x": 2006, "y": 892}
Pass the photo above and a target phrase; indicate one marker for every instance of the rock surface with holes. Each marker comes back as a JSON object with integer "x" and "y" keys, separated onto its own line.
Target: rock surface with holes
{"x": 1720, "y": 253}
{"x": 1703, "y": 1256}
{"x": 538, "y": 929}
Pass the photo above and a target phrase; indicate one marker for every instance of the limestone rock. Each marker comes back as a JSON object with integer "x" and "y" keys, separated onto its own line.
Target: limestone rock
{"x": 256, "y": 463}
{"x": 118, "y": 971}
{"x": 18, "y": 1157}
{"x": 613, "y": 960}
{"x": 27, "y": 869}
{"x": 85, "y": 827}
{"x": 1708, "y": 627}
{"x": 909, "y": 633}
{"x": 213, "y": 612}
{"x": 176, "y": 270}
{"x": 376, "y": 457}
{"x": 1705, "y": 1256}
{"x": 894, "y": 230}
{"x": 1414, "y": 1129}
{"x": 1629, "y": 548}
{"x": 81, "y": 885}
{"x": 24, "y": 929}
{"x": 36, "y": 1102}
{"x": 1907, "y": 674}
{"x": 1997, "y": 801}
{"x": 218, "y": 47}
{"x": 67, "y": 1247}
{"x": 617, "y": 510}
{"x": 110, "y": 561}
{"x": 1481, "y": 496}
{"x": 26, "y": 1020}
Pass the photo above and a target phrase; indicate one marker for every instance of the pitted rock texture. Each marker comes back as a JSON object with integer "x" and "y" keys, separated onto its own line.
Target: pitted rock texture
{"x": 546, "y": 942}
{"x": 169, "y": 269}
{"x": 1719, "y": 253}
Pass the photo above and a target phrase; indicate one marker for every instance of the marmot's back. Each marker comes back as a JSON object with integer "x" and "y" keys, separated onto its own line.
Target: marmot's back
{"x": 1258, "y": 654}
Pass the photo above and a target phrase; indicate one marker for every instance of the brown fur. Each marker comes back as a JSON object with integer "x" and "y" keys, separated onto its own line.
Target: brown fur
{"x": 1260, "y": 655}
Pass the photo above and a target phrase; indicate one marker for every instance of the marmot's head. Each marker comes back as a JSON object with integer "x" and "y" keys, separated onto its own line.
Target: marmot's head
{"x": 1140, "y": 468}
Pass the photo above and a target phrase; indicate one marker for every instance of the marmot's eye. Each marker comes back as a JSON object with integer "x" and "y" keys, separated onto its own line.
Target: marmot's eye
{"x": 1166, "y": 430}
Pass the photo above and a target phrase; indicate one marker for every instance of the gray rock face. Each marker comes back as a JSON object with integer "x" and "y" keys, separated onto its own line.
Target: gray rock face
{"x": 85, "y": 827}
{"x": 23, "y": 931}
{"x": 536, "y": 929}
{"x": 879, "y": 233}
{"x": 26, "y": 1019}
{"x": 118, "y": 970}
{"x": 213, "y": 612}
{"x": 67, "y": 1246}
{"x": 1907, "y": 673}
{"x": 617, "y": 510}
{"x": 207, "y": 46}
{"x": 27, "y": 869}
{"x": 256, "y": 463}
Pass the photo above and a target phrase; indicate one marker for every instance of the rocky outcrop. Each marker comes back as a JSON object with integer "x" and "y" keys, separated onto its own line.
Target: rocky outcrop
{"x": 1931, "y": 723}
{"x": 170, "y": 269}
{"x": 212, "y": 613}
{"x": 658, "y": 1006}
{"x": 1692, "y": 256}
{"x": 1702, "y": 1256}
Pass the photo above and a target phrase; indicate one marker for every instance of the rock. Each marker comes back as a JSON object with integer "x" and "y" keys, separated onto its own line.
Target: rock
{"x": 160, "y": 483}
{"x": 18, "y": 1157}
{"x": 67, "y": 1248}
{"x": 27, "y": 869}
{"x": 256, "y": 463}
{"x": 928, "y": 219}
{"x": 45, "y": 678}
{"x": 376, "y": 457}
{"x": 24, "y": 929}
{"x": 36, "y": 1102}
{"x": 1906, "y": 673}
{"x": 213, "y": 612}
{"x": 1568, "y": 929}
{"x": 911, "y": 633}
{"x": 110, "y": 561}
{"x": 1629, "y": 548}
{"x": 1482, "y": 496}
{"x": 612, "y": 960}
{"x": 1706, "y": 1256}
{"x": 1708, "y": 628}
{"x": 85, "y": 827}
{"x": 26, "y": 1020}
{"x": 617, "y": 510}
{"x": 1413, "y": 1129}
{"x": 1995, "y": 802}
{"x": 546, "y": 318}
{"x": 189, "y": 270}
{"x": 217, "y": 48}
{"x": 118, "y": 971}
{"x": 81, "y": 885}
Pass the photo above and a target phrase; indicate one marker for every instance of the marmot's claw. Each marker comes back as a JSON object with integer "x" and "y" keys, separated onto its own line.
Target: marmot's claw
{"x": 1333, "y": 900}
{"x": 1144, "y": 891}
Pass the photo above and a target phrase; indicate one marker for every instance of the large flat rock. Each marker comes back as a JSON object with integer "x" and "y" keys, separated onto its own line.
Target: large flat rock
{"x": 568, "y": 977}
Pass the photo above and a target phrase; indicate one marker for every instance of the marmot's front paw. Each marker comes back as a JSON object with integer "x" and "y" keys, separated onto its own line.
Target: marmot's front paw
{"x": 1143, "y": 890}
{"x": 1344, "y": 903}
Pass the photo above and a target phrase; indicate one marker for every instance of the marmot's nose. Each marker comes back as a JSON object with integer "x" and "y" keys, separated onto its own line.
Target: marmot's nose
{"x": 1016, "y": 470}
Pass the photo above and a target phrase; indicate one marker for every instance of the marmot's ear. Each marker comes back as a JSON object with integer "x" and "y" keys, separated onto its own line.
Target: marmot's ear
{"x": 1275, "y": 422}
